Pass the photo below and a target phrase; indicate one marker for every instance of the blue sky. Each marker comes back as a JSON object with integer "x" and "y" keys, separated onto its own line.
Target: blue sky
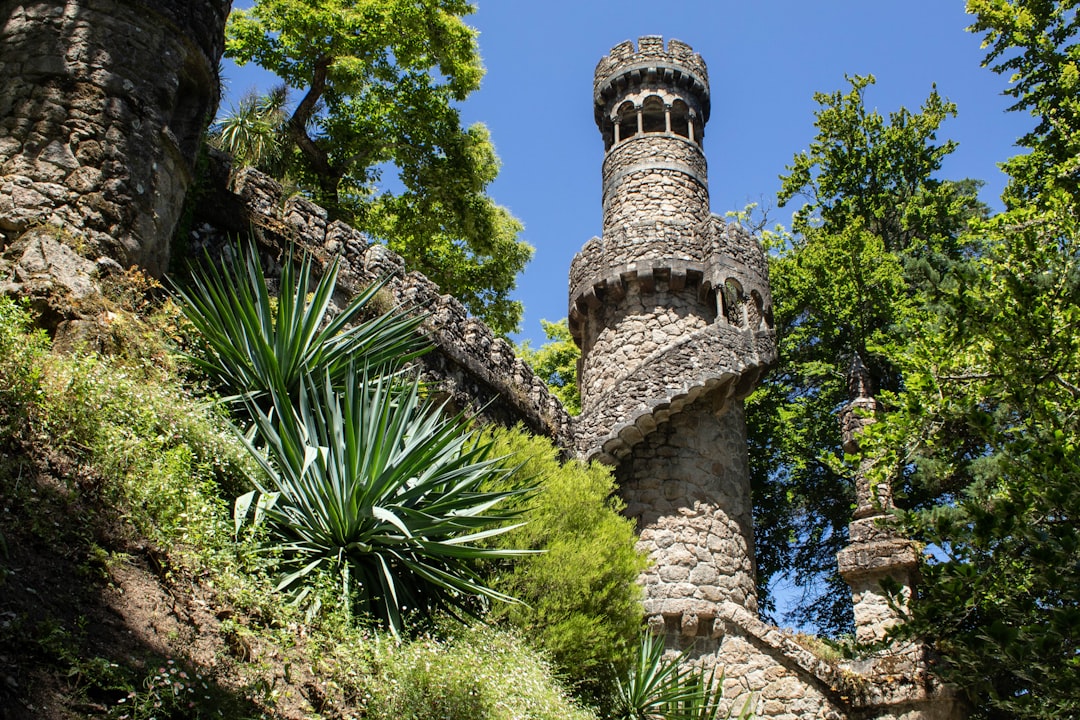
{"x": 766, "y": 59}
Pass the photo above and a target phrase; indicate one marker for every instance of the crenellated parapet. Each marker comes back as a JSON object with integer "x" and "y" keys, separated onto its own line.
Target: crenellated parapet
{"x": 698, "y": 318}
{"x": 673, "y": 73}
{"x": 469, "y": 366}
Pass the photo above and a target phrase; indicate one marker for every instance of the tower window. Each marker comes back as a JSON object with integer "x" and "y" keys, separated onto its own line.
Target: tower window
{"x": 652, "y": 115}
{"x": 680, "y": 118}
{"x": 628, "y": 121}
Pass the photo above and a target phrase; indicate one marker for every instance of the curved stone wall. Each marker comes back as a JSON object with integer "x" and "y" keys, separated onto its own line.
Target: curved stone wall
{"x": 623, "y": 334}
{"x": 661, "y": 177}
{"x": 688, "y": 488}
{"x": 102, "y": 106}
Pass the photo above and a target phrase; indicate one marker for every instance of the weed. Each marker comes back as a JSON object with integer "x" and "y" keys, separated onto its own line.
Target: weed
{"x": 170, "y": 692}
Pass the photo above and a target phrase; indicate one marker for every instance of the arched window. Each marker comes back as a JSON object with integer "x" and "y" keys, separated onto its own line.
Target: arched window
{"x": 652, "y": 115}
{"x": 734, "y": 301}
{"x": 755, "y": 310}
{"x": 680, "y": 118}
{"x": 608, "y": 133}
{"x": 627, "y": 121}
{"x": 697, "y": 129}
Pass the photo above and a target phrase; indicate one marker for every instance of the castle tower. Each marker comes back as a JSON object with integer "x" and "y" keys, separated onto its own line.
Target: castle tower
{"x": 672, "y": 311}
{"x": 102, "y": 107}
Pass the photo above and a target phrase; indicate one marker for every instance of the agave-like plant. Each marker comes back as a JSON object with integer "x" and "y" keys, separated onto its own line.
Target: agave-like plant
{"x": 255, "y": 345}
{"x": 254, "y": 132}
{"x": 374, "y": 485}
{"x": 659, "y": 688}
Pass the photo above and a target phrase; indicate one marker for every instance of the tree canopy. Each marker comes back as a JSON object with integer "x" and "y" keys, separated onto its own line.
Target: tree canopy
{"x": 969, "y": 325}
{"x": 375, "y": 135}
{"x": 874, "y": 223}
{"x": 991, "y": 404}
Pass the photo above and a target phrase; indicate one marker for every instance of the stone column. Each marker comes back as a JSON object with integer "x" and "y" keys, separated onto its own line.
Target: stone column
{"x": 875, "y": 553}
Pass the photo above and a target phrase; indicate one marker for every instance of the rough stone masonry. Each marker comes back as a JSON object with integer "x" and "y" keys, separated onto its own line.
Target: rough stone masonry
{"x": 672, "y": 310}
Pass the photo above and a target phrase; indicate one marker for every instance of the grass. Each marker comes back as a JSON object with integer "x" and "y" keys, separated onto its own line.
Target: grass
{"x": 125, "y": 442}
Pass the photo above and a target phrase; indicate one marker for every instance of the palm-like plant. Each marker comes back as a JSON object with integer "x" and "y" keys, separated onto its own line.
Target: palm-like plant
{"x": 255, "y": 345}
{"x": 254, "y": 131}
{"x": 656, "y": 688}
{"x": 373, "y": 485}
{"x": 363, "y": 479}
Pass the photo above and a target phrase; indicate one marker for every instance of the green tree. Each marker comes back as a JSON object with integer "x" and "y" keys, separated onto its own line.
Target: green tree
{"x": 1034, "y": 43}
{"x": 556, "y": 362}
{"x": 991, "y": 406}
{"x": 874, "y": 225}
{"x": 580, "y": 598}
{"x": 378, "y": 81}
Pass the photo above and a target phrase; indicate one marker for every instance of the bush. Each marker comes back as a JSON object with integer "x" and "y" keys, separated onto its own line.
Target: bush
{"x": 21, "y": 350}
{"x": 478, "y": 674}
{"x": 374, "y": 487}
{"x": 165, "y": 460}
{"x": 581, "y": 600}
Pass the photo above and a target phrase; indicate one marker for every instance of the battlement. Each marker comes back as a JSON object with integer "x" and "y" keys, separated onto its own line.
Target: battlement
{"x": 469, "y": 365}
{"x": 650, "y": 64}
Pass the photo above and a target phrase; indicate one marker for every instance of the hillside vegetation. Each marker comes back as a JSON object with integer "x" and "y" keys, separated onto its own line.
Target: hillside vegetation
{"x": 127, "y": 591}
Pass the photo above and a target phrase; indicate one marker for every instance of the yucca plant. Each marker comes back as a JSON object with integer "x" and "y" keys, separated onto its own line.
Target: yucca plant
{"x": 255, "y": 131}
{"x": 256, "y": 345}
{"x": 659, "y": 688}
{"x": 371, "y": 484}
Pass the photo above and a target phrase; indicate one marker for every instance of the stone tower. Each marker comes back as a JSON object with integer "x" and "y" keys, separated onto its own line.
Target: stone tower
{"x": 102, "y": 105}
{"x": 672, "y": 311}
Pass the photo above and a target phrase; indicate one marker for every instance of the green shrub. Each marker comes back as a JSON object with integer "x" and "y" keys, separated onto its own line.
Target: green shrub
{"x": 167, "y": 460}
{"x": 255, "y": 343}
{"x": 661, "y": 686}
{"x": 477, "y": 674}
{"x": 375, "y": 487}
{"x": 21, "y": 350}
{"x": 581, "y": 600}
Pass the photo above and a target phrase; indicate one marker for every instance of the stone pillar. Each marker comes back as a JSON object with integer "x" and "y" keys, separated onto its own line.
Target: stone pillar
{"x": 102, "y": 105}
{"x": 875, "y": 553}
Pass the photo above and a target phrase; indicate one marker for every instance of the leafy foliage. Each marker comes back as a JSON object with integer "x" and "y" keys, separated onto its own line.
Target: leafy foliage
{"x": 581, "y": 603}
{"x": 20, "y": 350}
{"x": 990, "y": 406}
{"x": 374, "y": 487}
{"x": 666, "y": 688}
{"x": 379, "y": 80}
{"x": 875, "y": 225}
{"x": 1034, "y": 43}
{"x": 476, "y": 673}
{"x": 255, "y": 131}
{"x": 366, "y": 482}
{"x": 556, "y": 363}
{"x": 256, "y": 343}
{"x": 149, "y": 452}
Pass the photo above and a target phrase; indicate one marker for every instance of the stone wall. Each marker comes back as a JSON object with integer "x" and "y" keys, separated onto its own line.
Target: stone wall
{"x": 102, "y": 106}
{"x": 687, "y": 486}
{"x": 656, "y": 179}
{"x": 469, "y": 365}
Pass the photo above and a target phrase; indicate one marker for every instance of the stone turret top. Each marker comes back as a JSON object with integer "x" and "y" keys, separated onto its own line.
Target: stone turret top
{"x": 675, "y": 65}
